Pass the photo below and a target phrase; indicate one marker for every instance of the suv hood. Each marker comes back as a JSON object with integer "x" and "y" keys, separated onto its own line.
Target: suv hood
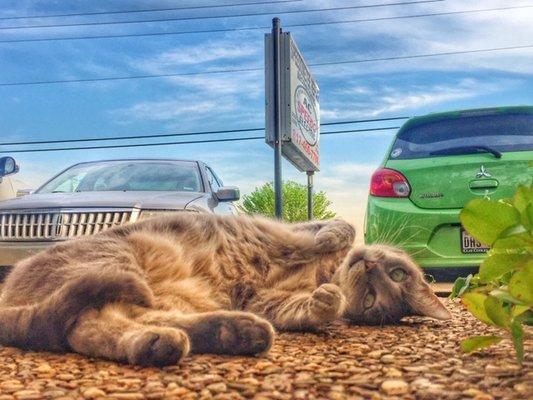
{"x": 142, "y": 200}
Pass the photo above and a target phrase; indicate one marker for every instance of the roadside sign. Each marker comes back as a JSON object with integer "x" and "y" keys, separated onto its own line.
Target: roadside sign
{"x": 299, "y": 110}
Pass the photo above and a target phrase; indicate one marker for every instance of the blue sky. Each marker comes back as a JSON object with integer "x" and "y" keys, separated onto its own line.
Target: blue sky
{"x": 226, "y": 101}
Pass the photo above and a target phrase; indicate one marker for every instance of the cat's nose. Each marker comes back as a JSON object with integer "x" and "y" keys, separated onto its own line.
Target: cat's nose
{"x": 370, "y": 265}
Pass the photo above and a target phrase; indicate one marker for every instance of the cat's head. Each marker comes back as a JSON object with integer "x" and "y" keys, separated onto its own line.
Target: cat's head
{"x": 382, "y": 284}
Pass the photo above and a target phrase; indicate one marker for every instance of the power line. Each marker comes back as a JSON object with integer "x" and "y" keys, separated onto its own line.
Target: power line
{"x": 446, "y": 53}
{"x": 222, "y": 71}
{"x": 99, "y": 139}
{"x": 250, "y": 28}
{"x": 238, "y": 139}
{"x": 81, "y": 14}
{"x": 256, "y": 14}
{"x": 438, "y": 14}
{"x": 225, "y": 71}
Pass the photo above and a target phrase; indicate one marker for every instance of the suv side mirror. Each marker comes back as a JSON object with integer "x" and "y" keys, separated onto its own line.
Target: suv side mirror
{"x": 8, "y": 166}
{"x": 228, "y": 193}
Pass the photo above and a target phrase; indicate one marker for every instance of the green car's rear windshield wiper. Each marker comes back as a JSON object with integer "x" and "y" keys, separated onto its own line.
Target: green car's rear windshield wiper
{"x": 467, "y": 150}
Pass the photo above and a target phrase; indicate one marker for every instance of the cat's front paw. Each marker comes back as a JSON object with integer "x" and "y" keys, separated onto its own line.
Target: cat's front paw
{"x": 231, "y": 332}
{"x": 327, "y": 303}
{"x": 157, "y": 347}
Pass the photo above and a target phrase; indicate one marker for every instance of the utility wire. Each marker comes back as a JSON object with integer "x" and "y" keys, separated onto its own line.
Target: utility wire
{"x": 225, "y": 71}
{"x": 251, "y": 28}
{"x": 238, "y": 139}
{"x": 82, "y": 14}
{"x": 256, "y": 14}
{"x": 98, "y": 139}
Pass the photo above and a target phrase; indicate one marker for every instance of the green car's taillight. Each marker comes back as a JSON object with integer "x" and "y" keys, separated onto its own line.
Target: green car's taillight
{"x": 387, "y": 182}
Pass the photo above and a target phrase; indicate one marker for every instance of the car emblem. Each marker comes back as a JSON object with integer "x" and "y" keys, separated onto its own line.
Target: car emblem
{"x": 483, "y": 173}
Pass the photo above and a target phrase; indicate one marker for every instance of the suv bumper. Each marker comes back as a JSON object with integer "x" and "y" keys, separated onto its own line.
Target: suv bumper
{"x": 431, "y": 236}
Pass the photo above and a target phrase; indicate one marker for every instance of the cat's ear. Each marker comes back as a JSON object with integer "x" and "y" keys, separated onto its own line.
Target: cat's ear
{"x": 424, "y": 302}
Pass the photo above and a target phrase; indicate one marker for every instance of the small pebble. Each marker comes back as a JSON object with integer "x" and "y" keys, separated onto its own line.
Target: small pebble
{"x": 393, "y": 387}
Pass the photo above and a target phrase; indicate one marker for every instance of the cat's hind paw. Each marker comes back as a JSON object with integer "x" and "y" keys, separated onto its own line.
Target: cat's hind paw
{"x": 157, "y": 347}
{"x": 235, "y": 333}
{"x": 335, "y": 236}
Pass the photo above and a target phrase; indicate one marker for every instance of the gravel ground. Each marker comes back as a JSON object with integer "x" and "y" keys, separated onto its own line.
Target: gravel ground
{"x": 419, "y": 359}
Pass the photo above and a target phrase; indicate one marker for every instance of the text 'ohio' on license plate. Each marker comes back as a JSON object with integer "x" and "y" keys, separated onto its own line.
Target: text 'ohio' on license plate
{"x": 471, "y": 245}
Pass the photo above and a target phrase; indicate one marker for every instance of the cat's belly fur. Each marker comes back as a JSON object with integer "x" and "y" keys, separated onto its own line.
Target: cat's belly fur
{"x": 225, "y": 263}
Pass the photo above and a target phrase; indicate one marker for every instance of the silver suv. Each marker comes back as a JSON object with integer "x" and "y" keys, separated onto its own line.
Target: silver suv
{"x": 91, "y": 197}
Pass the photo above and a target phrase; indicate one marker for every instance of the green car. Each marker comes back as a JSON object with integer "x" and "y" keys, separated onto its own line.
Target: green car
{"x": 435, "y": 165}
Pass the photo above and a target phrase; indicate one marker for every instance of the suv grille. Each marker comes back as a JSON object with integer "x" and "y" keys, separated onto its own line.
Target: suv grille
{"x": 59, "y": 224}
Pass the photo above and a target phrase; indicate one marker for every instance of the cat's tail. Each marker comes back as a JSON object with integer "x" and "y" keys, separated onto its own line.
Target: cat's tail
{"x": 46, "y": 325}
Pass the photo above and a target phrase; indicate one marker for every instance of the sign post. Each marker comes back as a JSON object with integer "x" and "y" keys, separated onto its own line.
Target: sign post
{"x": 276, "y": 33}
{"x": 292, "y": 110}
{"x": 310, "y": 175}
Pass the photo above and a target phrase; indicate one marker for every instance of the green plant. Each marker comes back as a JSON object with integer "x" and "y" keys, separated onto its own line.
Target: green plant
{"x": 261, "y": 201}
{"x": 501, "y": 294}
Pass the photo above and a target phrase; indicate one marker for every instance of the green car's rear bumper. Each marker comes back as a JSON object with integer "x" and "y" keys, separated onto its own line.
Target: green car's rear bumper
{"x": 431, "y": 236}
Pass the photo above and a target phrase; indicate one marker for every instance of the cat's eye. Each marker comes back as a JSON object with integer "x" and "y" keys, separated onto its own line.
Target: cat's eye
{"x": 398, "y": 275}
{"x": 369, "y": 300}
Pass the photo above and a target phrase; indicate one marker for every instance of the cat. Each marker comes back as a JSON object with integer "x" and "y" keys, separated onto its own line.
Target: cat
{"x": 152, "y": 292}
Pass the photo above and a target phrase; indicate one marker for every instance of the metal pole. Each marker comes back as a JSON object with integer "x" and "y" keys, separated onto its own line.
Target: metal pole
{"x": 276, "y": 33}
{"x": 310, "y": 175}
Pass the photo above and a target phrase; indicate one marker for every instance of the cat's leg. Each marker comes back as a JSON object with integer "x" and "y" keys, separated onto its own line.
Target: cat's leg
{"x": 330, "y": 236}
{"x": 216, "y": 332}
{"x": 110, "y": 333}
{"x": 310, "y": 226}
{"x": 300, "y": 310}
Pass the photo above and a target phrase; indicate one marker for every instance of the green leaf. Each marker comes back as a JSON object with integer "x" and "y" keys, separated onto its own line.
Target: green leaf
{"x": 518, "y": 243}
{"x": 475, "y": 303}
{"x": 523, "y": 197}
{"x": 518, "y": 310}
{"x": 517, "y": 334}
{"x": 521, "y": 284}
{"x": 503, "y": 294}
{"x": 486, "y": 220}
{"x": 479, "y": 342}
{"x": 505, "y": 278}
{"x": 498, "y": 264}
{"x": 527, "y": 217}
{"x": 496, "y": 312}
{"x": 460, "y": 285}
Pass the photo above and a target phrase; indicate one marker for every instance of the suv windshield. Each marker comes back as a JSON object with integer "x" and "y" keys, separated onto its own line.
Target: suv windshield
{"x": 136, "y": 176}
{"x": 499, "y": 132}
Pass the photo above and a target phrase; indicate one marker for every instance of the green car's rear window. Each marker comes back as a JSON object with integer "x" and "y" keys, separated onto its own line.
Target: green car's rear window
{"x": 501, "y": 132}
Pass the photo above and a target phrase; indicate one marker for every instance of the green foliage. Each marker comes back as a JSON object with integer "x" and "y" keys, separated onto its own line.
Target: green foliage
{"x": 501, "y": 294}
{"x": 261, "y": 201}
{"x": 478, "y": 342}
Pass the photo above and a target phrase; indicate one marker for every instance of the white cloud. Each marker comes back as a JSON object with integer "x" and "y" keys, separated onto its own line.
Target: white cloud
{"x": 354, "y": 169}
{"x": 248, "y": 84}
{"x": 165, "y": 110}
{"x": 393, "y": 99}
{"x": 198, "y": 54}
{"x": 437, "y": 34}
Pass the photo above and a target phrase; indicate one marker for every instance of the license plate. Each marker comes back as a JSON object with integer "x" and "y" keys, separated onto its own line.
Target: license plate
{"x": 471, "y": 245}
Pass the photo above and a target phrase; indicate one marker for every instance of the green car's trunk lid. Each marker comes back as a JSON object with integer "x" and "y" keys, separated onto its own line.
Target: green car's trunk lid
{"x": 450, "y": 158}
{"x": 451, "y": 181}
